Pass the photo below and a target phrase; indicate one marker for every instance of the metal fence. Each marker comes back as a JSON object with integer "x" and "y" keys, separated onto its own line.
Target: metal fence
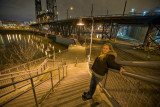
{"x": 22, "y": 66}
{"x": 17, "y": 76}
{"x": 131, "y": 89}
{"x": 58, "y": 74}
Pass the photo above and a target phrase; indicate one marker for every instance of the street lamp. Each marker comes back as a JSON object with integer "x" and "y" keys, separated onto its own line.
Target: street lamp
{"x": 47, "y": 52}
{"x": 54, "y": 55}
{"x": 71, "y": 8}
{"x": 80, "y": 24}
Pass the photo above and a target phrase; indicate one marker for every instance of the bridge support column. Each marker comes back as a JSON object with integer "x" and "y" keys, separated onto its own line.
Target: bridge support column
{"x": 111, "y": 34}
{"x": 147, "y": 42}
{"x": 116, "y": 28}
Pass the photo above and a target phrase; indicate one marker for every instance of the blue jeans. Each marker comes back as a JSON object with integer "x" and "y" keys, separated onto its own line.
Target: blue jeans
{"x": 94, "y": 81}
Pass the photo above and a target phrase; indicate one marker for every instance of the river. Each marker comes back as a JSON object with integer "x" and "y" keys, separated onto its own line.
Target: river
{"x": 21, "y": 45}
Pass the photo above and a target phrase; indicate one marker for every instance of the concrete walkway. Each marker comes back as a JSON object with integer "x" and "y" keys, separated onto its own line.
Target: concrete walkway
{"x": 70, "y": 90}
{"x": 73, "y": 52}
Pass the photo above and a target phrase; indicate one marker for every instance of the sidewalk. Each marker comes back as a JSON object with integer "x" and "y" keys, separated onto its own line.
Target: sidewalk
{"x": 73, "y": 52}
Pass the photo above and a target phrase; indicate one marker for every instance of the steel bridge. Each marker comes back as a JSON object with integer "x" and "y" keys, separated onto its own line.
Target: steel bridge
{"x": 48, "y": 21}
{"x": 69, "y": 27}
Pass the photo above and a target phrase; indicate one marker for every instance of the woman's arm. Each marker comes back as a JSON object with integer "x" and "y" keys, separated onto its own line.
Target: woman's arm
{"x": 94, "y": 63}
{"x": 112, "y": 64}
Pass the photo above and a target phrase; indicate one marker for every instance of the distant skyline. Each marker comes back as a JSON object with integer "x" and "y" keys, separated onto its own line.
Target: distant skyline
{"x": 24, "y": 10}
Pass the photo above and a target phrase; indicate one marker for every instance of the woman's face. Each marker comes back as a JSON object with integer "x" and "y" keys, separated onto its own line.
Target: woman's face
{"x": 106, "y": 49}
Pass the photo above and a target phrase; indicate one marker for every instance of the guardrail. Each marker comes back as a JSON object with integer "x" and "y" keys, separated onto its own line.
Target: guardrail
{"x": 21, "y": 67}
{"x": 34, "y": 84}
{"x": 17, "y": 76}
{"x": 131, "y": 89}
{"x": 142, "y": 64}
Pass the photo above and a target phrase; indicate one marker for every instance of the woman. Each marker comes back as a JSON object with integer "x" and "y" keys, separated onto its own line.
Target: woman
{"x": 100, "y": 67}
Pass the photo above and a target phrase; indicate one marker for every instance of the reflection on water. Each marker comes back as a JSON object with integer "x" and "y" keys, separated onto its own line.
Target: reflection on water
{"x": 44, "y": 46}
{"x": 41, "y": 42}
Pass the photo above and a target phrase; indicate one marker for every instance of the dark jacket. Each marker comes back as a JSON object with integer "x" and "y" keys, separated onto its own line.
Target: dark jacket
{"x": 101, "y": 67}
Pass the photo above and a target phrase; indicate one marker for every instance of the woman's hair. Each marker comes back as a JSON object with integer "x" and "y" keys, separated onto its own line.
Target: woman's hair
{"x": 111, "y": 52}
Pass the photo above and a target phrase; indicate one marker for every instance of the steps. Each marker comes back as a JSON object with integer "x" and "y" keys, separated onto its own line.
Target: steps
{"x": 70, "y": 90}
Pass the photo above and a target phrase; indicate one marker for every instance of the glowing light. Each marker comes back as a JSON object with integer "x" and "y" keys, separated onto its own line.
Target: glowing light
{"x": 13, "y": 37}
{"x": 71, "y": 8}
{"x": 97, "y": 35}
{"x": 46, "y": 53}
{"x": 132, "y": 10}
{"x": 144, "y": 13}
{"x": 80, "y": 24}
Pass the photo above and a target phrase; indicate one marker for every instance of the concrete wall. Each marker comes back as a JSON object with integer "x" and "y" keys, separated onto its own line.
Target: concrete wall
{"x": 64, "y": 41}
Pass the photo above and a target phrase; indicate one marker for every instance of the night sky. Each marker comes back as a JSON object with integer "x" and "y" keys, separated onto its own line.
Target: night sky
{"x": 24, "y": 10}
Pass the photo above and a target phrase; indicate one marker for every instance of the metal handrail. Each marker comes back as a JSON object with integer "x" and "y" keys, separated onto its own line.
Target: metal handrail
{"x": 16, "y": 67}
{"x": 29, "y": 73}
{"x": 33, "y": 86}
{"x": 145, "y": 64}
{"x": 116, "y": 91}
{"x": 19, "y": 75}
{"x": 145, "y": 78}
{"x": 43, "y": 63}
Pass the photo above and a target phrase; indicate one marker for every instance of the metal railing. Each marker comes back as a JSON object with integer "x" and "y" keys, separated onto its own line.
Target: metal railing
{"x": 16, "y": 76}
{"x": 131, "y": 89}
{"x": 48, "y": 77}
{"x": 21, "y": 67}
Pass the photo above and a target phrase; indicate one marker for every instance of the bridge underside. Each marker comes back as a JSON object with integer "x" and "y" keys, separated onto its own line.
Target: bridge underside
{"x": 110, "y": 26}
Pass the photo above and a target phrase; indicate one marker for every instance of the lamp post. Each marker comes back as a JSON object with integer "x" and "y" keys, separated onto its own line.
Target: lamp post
{"x": 54, "y": 55}
{"x": 71, "y": 8}
{"x": 124, "y": 7}
{"x": 92, "y": 29}
{"x": 47, "y": 52}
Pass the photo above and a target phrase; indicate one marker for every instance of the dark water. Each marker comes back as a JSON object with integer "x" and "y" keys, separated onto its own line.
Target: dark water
{"x": 13, "y": 46}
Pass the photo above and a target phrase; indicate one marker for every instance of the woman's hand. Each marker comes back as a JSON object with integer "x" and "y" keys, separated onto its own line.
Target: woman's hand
{"x": 122, "y": 70}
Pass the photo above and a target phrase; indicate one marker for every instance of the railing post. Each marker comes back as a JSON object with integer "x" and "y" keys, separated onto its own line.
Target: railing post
{"x": 105, "y": 79}
{"x": 37, "y": 74}
{"x": 76, "y": 61}
{"x": 44, "y": 66}
{"x": 51, "y": 80}
{"x": 62, "y": 61}
{"x": 66, "y": 70}
{"x": 41, "y": 68}
{"x": 63, "y": 71}
{"x": 30, "y": 73}
{"x": 33, "y": 88}
{"x": 59, "y": 74}
{"x": 13, "y": 82}
{"x": 53, "y": 62}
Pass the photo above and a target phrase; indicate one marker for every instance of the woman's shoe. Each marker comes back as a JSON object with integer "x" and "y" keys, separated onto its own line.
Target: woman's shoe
{"x": 85, "y": 93}
{"x": 86, "y": 97}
